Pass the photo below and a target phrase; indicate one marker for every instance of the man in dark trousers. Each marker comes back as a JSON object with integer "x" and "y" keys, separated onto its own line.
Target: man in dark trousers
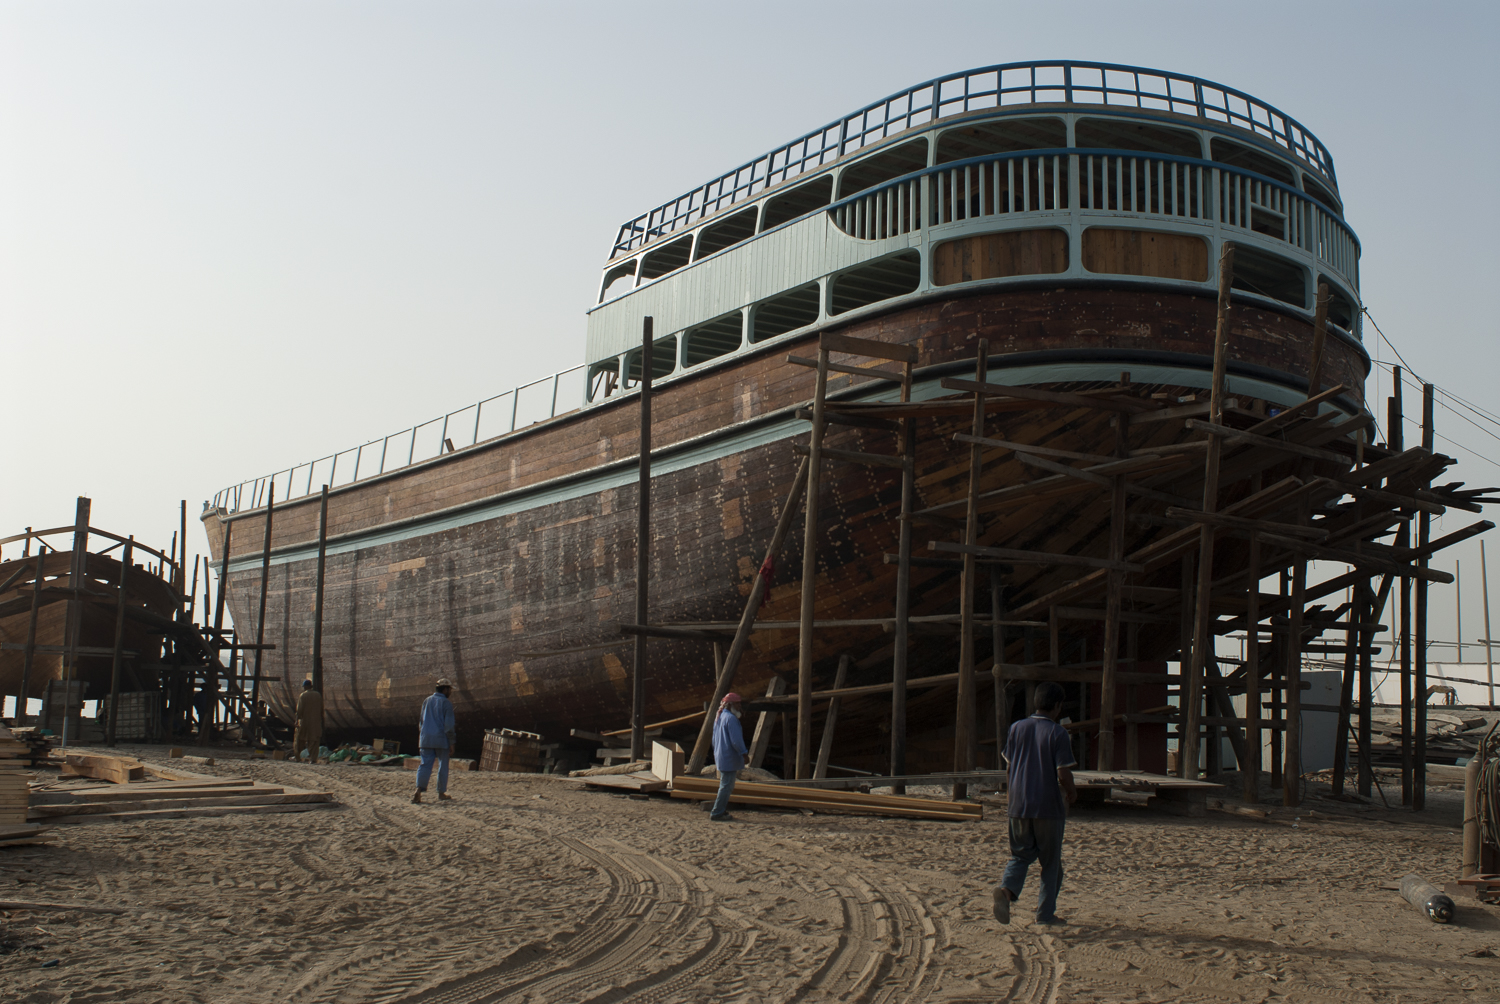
{"x": 1039, "y": 779}
{"x": 436, "y": 740}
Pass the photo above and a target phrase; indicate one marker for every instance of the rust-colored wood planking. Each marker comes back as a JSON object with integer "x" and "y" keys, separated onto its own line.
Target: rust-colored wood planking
{"x": 461, "y": 601}
{"x": 994, "y": 256}
{"x": 1162, "y": 255}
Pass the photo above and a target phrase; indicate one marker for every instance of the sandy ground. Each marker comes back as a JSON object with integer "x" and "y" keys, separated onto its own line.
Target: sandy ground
{"x": 529, "y": 888}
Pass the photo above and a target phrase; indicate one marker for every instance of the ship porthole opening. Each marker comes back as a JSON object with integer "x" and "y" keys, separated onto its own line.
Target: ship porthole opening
{"x": 883, "y": 167}
{"x": 1007, "y": 135}
{"x": 663, "y": 361}
{"x": 620, "y": 279}
{"x": 787, "y": 312}
{"x": 881, "y": 279}
{"x": 718, "y": 337}
{"x": 727, "y": 233}
{"x": 797, "y": 202}
{"x": 1271, "y": 276}
{"x": 667, "y": 258}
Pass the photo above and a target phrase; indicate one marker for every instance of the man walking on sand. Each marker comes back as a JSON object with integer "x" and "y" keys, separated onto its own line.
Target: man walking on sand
{"x": 1039, "y": 760}
{"x": 436, "y": 741}
{"x": 729, "y": 754}
{"x": 309, "y": 732}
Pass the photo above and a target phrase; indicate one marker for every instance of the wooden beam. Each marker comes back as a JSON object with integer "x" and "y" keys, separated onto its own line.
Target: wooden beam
{"x": 1014, "y": 555}
{"x": 1045, "y": 396}
{"x": 831, "y": 719}
{"x": 833, "y": 342}
{"x": 1310, "y": 452}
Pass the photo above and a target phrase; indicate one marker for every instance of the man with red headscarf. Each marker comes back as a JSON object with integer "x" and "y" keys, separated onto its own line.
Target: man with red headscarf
{"x": 729, "y": 753}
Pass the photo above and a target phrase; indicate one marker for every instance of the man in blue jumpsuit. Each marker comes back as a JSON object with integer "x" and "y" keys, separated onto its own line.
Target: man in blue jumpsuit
{"x": 729, "y": 753}
{"x": 436, "y": 742}
{"x": 1039, "y": 781}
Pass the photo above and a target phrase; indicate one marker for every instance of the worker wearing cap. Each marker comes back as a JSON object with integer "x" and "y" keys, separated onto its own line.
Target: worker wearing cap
{"x": 309, "y": 732}
{"x": 436, "y": 742}
{"x": 729, "y": 753}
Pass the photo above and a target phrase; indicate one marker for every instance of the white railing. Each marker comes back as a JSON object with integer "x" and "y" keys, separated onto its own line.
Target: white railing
{"x": 1147, "y": 185}
{"x": 494, "y": 416}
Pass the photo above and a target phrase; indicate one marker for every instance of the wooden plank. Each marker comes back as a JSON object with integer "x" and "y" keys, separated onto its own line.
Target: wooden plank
{"x": 131, "y": 792}
{"x": 186, "y": 813}
{"x": 1046, "y": 396}
{"x": 853, "y": 456}
{"x": 1033, "y": 557}
{"x": 118, "y": 770}
{"x": 864, "y": 371}
{"x": 1310, "y": 452}
{"x": 628, "y": 782}
{"x": 798, "y": 797}
{"x": 1242, "y": 523}
{"x": 140, "y": 805}
{"x": 1040, "y": 451}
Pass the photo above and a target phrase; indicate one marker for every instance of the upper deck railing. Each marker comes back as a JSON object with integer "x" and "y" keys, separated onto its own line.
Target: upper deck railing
{"x": 532, "y": 402}
{"x": 1008, "y": 84}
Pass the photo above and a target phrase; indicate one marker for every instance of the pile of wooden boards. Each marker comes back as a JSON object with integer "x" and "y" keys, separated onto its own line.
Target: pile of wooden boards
{"x": 824, "y": 800}
{"x": 14, "y": 755}
{"x": 168, "y": 794}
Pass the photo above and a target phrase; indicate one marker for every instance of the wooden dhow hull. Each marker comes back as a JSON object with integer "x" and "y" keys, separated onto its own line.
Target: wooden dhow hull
{"x": 507, "y": 566}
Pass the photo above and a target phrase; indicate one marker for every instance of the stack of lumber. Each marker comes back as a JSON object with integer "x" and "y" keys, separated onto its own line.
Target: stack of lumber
{"x": 187, "y": 795}
{"x": 13, "y": 778}
{"x": 823, "y": 800}
{"x": 39, "y": 744}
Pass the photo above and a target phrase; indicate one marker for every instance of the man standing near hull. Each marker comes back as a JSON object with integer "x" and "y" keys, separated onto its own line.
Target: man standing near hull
{"x": 1039, "y": 784}
{"x": 436, "y": 742}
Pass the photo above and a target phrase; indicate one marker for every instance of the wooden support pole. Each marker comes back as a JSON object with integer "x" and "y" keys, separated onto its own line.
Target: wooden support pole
{"x": 1320, "y": 336}
{"x": 802, "y": 766}
{"x": 1395, "y": 440}
{"x": 317, "y": 652}
{"x": 901, "y": 646}
{"x": 642, "y": 553}
{"x": 831, "y": 719}
{"x": 761, "y": 739}
{"x": 260, "y": 620}
{"x": 1203, "y": 638}
{"x": 1419, "y": 691}
{"x": 114, "y": 668}
{"x": 1346, "y": 699}
{"x": 1112, "y": 625}
{"x": 997, "y": 663}
{"x": 1489, "y": 655}
{"x": 747, "y": 620}
{"x": 36, "y": 606}
{"x": 965, "y": 739}
{"x": 1366, "y": 683}
{"x": 77, "y": 574}
{"x": 1291, "y": 786}
{"x": 1250, "y": 766}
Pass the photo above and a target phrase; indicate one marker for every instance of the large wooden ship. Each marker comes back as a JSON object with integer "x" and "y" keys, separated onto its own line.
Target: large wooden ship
{"x": 1070, "y": 214}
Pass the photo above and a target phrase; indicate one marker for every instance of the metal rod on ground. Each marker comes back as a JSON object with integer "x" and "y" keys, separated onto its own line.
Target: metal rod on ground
{"x": 901, "y": 650}
{"x": 1202, "y": 639}
{"x": 36, "y": 605}
{"x": 1489, "y": 655}
{"x": 317, "y": 652}
{"x": 642, "y": 553}
{"x": 831, "y": 720}
{"x": 77, "y": 574}
{"x": 747, "y": 619}
{"x": 114, "y": 669}
{"x": 260, "y": 622}
{"x": 1419, "y": 691}
{"x": 965, "y": 743}
{"x": 802, "y": 756}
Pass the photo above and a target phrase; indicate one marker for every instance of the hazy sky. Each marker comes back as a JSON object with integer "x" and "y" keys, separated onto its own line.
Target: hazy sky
{"x": 238, "y": 236}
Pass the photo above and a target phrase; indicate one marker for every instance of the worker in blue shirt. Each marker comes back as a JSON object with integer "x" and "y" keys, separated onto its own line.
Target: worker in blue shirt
{"x": 436, "y": 742}
{"x": 729, "y": 753}
{"x": 1039, "y": 785}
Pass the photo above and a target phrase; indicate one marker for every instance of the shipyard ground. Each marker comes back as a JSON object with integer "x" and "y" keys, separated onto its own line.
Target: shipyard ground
{"x": 529, "y": 888}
